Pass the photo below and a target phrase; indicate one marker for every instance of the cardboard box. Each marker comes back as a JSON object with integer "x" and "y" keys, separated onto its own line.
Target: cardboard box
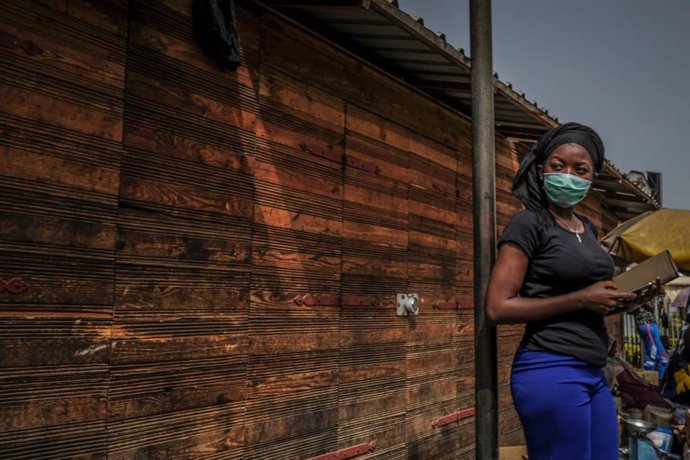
{"x": 512, "y": 453}
{"x": 650, "y": 377}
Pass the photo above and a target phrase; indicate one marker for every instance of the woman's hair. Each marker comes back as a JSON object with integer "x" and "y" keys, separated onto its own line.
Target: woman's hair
{"x": 527, "y": 186}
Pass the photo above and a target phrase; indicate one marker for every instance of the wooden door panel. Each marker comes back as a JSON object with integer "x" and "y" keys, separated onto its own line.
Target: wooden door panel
{"x": 432, "y": 342}
{"x": 60, "y": 150}
{"x": 293, "y": 366}
{"x": 179, "y": 363}
{"x": 372, "y": 393}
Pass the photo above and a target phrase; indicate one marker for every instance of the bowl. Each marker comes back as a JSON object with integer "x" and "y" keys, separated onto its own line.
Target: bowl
{"x": 638, "y": 427}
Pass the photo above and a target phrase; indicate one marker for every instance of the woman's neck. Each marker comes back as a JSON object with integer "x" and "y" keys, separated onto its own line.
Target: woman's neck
{"x": 564, "y": 213}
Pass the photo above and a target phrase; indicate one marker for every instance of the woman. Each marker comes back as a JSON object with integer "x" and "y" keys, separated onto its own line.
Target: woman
{"x": 655, "y": 355}
{"x": 552, "y": 274}
{"x": 676, "y": 382}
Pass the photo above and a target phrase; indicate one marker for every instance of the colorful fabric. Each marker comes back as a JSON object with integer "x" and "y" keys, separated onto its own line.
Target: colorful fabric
{"x": 642, "y": 315}
{"x": 655, "y": 355}
{"x": 676, "y": 382}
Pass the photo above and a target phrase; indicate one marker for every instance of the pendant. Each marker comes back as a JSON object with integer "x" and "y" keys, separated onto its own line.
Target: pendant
{"x": 578, "y": 237}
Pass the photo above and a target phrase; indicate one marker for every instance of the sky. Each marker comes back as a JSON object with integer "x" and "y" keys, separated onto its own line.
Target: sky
{"x": 619, "y": 66}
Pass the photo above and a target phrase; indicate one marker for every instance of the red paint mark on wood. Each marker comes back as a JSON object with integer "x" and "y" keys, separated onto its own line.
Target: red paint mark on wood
{"x": 452, "y": 305}
{"x": 363, "y": 165}
{"x": 13, "y": 286}
{"x": 452, "y": 418}
{"x": 347, "y": 453}
{"x": 444, "y": 188}
{"x": 359, "y": 300}
{"x": 313, "y": 300}
{"x": 446, "y": 305}
{"x": 323, "y": 299}
{"x": 326, "y": 152}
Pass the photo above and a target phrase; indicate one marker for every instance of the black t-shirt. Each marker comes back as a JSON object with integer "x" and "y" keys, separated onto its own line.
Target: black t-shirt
{"x": 559, "y": 264}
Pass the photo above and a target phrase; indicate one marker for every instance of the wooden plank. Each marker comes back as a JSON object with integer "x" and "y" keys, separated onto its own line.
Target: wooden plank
{"x": 61, "y": 124}
{"x": 191, "y": 433}
{"x": 340, "y": 74}
{"x": 166, "y": 27}
{"x": 46, "y": 168}
{"x": 106, "y": 15}
{"x": 56, "y": 441}
{"x": 372, "y": 355}
{"x": 279, "y": 91}
{"x": 297, "y": 238}
{"x": 179, "y": 365}
{"x": 73, "y": 49}
{"x": 433, "y": 248}
{"x": 32, "y": 97}
{"x": 54, "y": 379}
{"x": 177, "y": 385}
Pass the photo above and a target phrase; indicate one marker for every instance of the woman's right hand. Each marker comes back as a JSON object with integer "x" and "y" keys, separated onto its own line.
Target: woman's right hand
{"x": 603, "y": 296}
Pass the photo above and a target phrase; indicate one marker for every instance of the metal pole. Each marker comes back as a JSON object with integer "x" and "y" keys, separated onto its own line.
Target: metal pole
{"x": 484, "y": 209}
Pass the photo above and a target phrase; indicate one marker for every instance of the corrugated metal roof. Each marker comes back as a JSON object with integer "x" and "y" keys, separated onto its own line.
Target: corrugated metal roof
{"x": 380, "y": 32}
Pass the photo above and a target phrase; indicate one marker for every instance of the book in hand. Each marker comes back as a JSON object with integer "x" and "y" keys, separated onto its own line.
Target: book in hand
{"x": 642, "y": 276}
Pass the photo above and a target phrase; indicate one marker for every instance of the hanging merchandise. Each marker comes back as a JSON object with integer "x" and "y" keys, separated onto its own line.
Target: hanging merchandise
{"x": 215, "y": 29}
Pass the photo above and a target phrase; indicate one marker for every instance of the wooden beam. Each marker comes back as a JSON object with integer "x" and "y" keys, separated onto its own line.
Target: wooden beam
{"x": 316, "y": 3}
{"x": 442, "y": 85}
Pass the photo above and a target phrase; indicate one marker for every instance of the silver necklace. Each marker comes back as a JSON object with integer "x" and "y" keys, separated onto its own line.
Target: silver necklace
{"x": 567, "y": 224}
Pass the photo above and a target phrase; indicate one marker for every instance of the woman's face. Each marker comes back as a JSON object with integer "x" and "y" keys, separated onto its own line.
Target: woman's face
{"x": 568, "y": 159}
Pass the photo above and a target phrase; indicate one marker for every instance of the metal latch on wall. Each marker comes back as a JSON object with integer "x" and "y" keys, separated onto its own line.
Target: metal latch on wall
{"x": 407, "y": 305}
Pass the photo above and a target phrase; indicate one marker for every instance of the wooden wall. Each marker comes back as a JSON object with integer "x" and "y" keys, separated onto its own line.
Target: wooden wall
{"x": 61, "y": 127}
{"x": 212, "y": 257}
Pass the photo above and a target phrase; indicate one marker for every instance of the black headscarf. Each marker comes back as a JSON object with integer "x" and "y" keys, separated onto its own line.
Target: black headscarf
{"x": 527, "y": 185}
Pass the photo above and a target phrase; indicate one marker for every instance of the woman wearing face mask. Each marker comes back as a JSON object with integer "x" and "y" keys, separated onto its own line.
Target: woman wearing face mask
{"x": 552, "y": 274}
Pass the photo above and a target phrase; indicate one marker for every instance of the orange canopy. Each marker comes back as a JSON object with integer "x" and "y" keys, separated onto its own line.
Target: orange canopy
{"x": 650, "y": 233}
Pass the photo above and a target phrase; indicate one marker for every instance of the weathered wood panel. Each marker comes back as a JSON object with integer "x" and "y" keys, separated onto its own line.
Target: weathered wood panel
{"x": 510, "y": 430}
{"x": 465, "y": 352}
{"x": 297, "y": 239}
{"x": 325, "y": 67}
{"x": 372, "y": 393}
{"x": 180, "y": 347}
{"x": 433, "y": 250}
{"x": 463, "y": 295}
{"x": 60, "y": 134}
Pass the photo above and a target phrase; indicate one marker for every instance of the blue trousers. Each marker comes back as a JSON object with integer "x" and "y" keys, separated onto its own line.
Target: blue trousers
{"x": 565, "y": 406}
{"x": 655, "y": 355}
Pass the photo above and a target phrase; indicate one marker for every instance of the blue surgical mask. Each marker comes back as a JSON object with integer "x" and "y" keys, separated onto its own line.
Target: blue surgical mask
{"x": 565, "y": 190}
